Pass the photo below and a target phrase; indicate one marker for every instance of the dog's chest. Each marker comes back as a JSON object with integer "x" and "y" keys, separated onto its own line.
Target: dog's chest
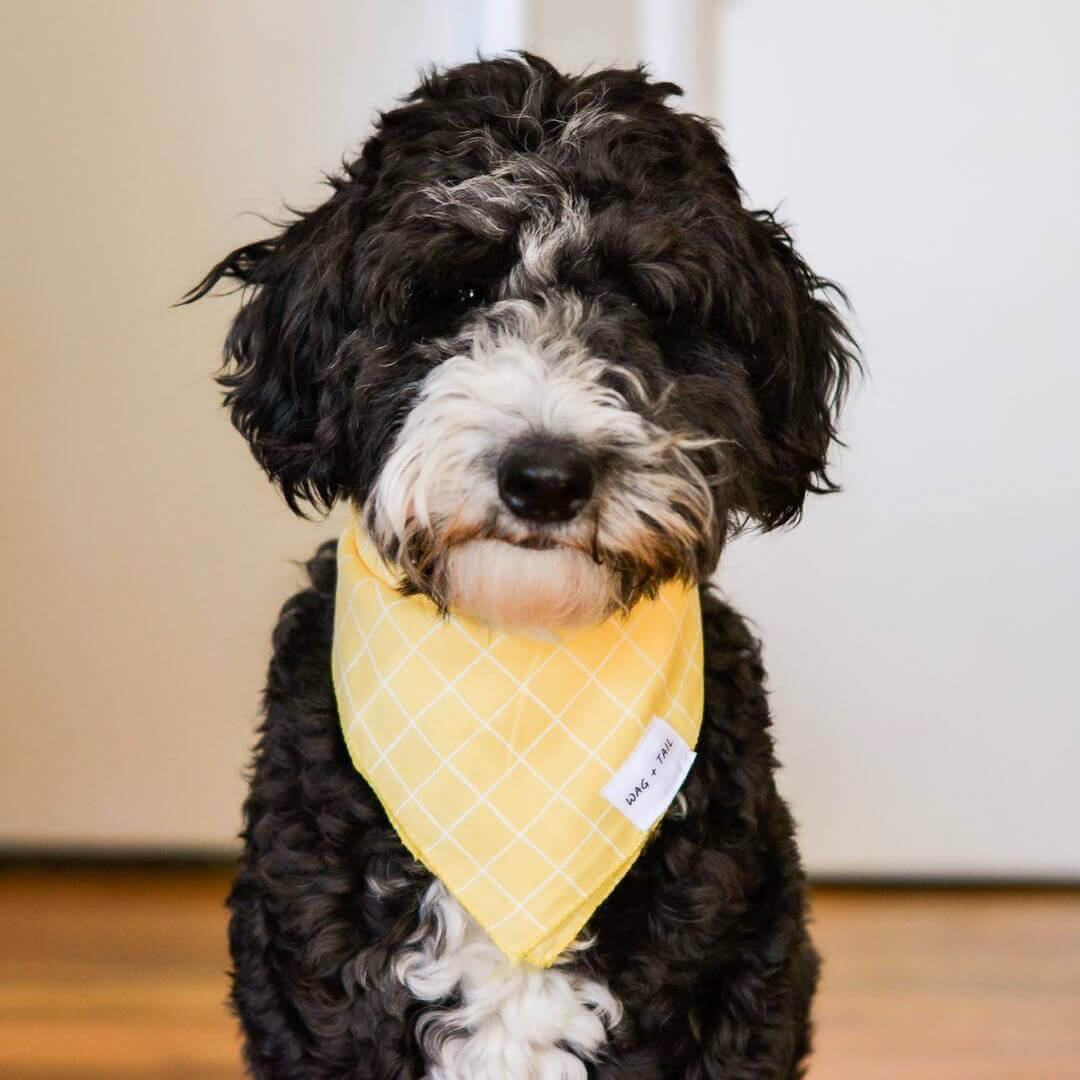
{"x": 506, "y": 1020}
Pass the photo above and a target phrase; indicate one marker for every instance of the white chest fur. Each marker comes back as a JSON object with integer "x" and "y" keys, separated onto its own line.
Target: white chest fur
{"x": 510, "y": 1021}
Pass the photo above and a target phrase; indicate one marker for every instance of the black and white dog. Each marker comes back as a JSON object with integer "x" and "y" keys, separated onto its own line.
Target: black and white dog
{"x": 535, "y": 335}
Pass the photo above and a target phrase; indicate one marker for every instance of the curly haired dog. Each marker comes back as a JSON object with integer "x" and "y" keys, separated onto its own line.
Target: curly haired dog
{"x": 536, "y": 337}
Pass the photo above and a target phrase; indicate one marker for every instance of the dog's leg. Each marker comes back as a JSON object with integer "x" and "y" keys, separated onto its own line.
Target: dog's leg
{"x": 274, "y": 1043}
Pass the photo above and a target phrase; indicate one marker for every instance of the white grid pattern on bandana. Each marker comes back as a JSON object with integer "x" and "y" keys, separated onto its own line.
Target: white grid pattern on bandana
{"x": 556, "y": 720}
{"x": 358, "y": 717}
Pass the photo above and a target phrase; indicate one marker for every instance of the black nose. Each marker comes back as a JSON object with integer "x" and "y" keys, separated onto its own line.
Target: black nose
{"x": 545, "y": 481}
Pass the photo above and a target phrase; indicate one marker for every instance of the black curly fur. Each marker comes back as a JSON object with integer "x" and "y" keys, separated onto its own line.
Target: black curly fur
{"x": 703, "y": 941}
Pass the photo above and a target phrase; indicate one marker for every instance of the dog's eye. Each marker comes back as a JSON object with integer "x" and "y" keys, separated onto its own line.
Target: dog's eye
{"x": 465, "y": 297}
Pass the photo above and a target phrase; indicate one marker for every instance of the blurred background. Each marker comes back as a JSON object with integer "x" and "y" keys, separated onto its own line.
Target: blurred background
{"x": 920, "y": 629}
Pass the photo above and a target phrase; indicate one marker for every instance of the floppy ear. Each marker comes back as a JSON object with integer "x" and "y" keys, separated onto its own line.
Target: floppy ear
{"x": 800, "y": 359}
{"x": 278, "y": 352}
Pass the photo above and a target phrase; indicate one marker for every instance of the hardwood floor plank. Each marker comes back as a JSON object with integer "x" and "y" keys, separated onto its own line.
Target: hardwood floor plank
{"x": 956, "y": 985}
{"x": 115, "y": 973}
{"x": 120, "y": 973}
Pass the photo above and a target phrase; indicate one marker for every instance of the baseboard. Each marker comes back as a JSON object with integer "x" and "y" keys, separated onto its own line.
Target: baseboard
{"x": 909, "y": 882}
{"x": 127, "y": 858}
{"x": 175, "y": 858}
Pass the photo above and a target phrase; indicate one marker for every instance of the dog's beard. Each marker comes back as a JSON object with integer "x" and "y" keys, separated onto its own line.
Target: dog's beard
{"x": 528, "y": 589}
{"x": 520, "y": 371}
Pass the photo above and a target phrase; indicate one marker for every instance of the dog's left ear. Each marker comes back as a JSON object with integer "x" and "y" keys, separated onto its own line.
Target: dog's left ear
{"x": 280, "y": 349}
{"x": 800, "y": 358}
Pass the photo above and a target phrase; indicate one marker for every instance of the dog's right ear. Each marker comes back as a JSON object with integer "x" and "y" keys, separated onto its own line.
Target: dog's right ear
{"x": 295, "y": 314}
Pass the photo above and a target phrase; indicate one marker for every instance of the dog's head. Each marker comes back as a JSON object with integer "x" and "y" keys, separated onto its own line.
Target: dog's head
{"x": 536, "y": 336}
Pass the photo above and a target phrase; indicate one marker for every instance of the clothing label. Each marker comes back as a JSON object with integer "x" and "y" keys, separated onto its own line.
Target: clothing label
{"x": 652, "y": 775}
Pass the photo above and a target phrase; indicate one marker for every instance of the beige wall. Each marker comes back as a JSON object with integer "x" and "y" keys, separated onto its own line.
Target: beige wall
{"x": 144, "y": 555}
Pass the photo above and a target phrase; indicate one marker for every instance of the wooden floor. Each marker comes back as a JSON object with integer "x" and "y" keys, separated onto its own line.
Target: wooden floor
{"x": 120, "y": 974}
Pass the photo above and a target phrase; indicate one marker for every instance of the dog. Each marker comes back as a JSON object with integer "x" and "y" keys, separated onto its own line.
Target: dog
{"x": 535, "y": 338}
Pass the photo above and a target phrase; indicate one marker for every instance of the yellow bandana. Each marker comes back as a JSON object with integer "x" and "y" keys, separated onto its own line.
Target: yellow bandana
{"x": 525, "y": 773}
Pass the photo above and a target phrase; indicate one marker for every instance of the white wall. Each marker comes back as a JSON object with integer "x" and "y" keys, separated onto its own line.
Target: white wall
{"x": 919, "y": 629}
{"x": 923, "y": 629}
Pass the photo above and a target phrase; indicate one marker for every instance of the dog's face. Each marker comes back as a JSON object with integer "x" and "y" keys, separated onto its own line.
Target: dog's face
{"x": 537, "y": 337}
